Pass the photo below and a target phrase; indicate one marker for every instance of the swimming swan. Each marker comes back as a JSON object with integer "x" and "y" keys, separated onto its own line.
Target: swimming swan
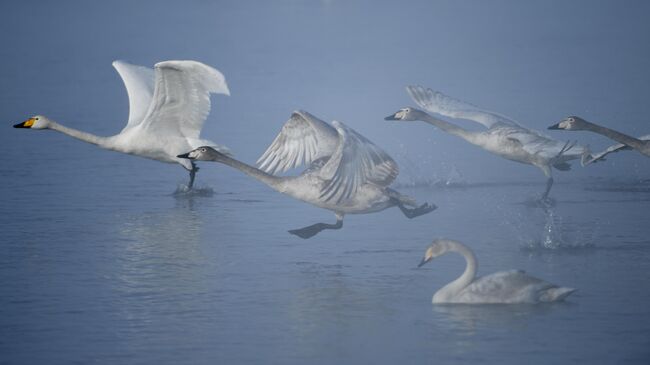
{"x": 348, "y": 174}
{"x": 573, "y": 123}
{"x": 513, "y": 286}
{"x": 166, "y": 112}
{"x": 504, "y": 137}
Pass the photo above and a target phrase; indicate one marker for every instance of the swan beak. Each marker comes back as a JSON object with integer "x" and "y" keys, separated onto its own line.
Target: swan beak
{"x": 26, "y": 124}
{"x": 185, "y": 155}
{"x": 555, "y": 126}
{"x": 391, "y": 117}
{"x": 424, "y": 261}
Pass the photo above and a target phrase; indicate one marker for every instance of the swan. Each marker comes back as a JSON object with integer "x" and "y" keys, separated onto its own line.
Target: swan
{"x": 167, "y": 109}
{"x": 573, "y": 123}
{"x": 514, "y": 286}
{"x": 348, "y": 174}
{"x": 504, "y": 137}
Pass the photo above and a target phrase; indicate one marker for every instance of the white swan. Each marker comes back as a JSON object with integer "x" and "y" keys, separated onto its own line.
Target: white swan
{"x": 166, "y": 112}
{"x": 573, "y": 123}
{"x": 348, "y": 174}
{"x": 513, "y": 286}
{"x": 503, "y": 137}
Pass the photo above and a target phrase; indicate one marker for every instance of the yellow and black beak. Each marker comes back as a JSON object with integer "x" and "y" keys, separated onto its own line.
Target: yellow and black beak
{"x": 424, "y": 261}
{"x": 26, "y": 124}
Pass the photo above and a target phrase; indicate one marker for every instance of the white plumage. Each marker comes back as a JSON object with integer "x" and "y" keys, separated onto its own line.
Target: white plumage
{"x": 347, "y": 173}
{"x": 167, "y": 109}
{"x": 506, "y": 287}
{"x": 503, "y": 136}
{"x": 352, "y": 160}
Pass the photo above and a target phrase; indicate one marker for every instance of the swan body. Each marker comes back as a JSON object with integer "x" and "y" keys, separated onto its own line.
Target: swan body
{"x": 347, "y": 173}
{"x": 573, "y": 123}
{"x": 506, "y": 287}
{"x": 167, "y": 109}
{"x": 503, "y": 136}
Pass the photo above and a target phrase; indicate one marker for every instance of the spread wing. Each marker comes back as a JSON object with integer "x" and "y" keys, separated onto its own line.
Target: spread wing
{"x": 181, "y": 98}
{"x": 356, "y": 161}
{"x": 139, "y": 83}
{"x": 600, "y": 156}
{"x": 536, "y": 143}
{"x": 439, "y": 103}
{"x": 302, "y": 140}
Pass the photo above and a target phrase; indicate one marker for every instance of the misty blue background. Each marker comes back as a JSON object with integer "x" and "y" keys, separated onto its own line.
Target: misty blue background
{"x": 99, "y": 263}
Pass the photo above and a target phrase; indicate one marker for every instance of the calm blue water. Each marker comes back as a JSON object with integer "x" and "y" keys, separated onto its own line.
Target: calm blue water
{"x": 100, "y": 263}
{"x": 135, "y": 275}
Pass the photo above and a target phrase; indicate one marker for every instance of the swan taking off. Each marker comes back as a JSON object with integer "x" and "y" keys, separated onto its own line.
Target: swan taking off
{"x": 513, "y": 286}
{"x": 167, "y": 109}
{"x": 348, "y": 174}
{"x": 573, "y": 123}
{"x": 504, "y": 137}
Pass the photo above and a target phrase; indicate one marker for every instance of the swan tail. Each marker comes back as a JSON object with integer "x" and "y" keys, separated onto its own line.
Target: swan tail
{"x": 555, "y": 294}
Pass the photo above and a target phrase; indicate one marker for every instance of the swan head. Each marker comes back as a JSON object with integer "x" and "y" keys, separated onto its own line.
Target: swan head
{"x": 571, "y": 123}
{"x": 35, "y": 122}
{"x": 436, "y": 249}
{"x": 204, "y": 153}
{"x": 405, "y": 114}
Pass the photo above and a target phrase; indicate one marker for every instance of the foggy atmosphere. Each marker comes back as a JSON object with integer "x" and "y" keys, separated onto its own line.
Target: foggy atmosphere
{"x": 478, "y": 128}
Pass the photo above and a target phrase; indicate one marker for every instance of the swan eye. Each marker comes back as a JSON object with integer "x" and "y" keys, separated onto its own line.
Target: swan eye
{"x": 35, "y": 118}
{"x": 203, "y": 150}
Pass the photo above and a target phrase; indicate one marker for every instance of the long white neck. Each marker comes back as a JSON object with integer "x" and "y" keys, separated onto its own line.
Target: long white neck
{"x": 450, "y": 290}
{"x": 86, "y": 137}
{"x": 272, "y": 181}
{"x": 635, "y": 143}
{"x": 448, "y": 127}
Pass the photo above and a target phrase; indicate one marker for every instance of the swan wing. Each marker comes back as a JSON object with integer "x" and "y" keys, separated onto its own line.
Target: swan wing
{"x": 439, "y": 103}
{"x": 139, "y": 84}
{"x": 302, "y": 140}
{"x": 356, "y": 161}
{"x": 600, "y": 156}
{"x": 536, "y": 143}
{"x": 514, "y": 286}
{"x": 181, "y": 98}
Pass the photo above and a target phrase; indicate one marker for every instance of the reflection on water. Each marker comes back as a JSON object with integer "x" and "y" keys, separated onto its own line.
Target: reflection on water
{"x": 160, "y": 262}
{"x": 472, "y": 317}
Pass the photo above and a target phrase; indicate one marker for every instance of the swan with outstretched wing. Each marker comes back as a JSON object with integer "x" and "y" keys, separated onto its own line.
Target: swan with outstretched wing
{"x": 346, "y": 173}
{"x": 167, "y": 109}
{"x": 503, "y": 136}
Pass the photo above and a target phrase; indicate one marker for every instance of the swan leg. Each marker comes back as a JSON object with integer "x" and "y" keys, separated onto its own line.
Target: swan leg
{"x": 416, "y": 212}
{"x": 192, "y": 175}
{"x": 549, "y": 184}
{"x": 314, "y": 229}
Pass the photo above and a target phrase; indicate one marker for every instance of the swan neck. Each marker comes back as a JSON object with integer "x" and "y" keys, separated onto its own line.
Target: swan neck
{"x": 615, "y": 135}
{"x": 468, "y": 275}
{"x": 268, "y": 179}
{"x": 446, "y": 126}
{"x": 83, "y": 136}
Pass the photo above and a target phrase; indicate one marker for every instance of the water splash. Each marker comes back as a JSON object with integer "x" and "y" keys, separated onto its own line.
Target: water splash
{"x": 540, "y": 227}
{"x": 183, "y": 191}
{"x": 425, "y": 174}
{"x": 560, "y": 234}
